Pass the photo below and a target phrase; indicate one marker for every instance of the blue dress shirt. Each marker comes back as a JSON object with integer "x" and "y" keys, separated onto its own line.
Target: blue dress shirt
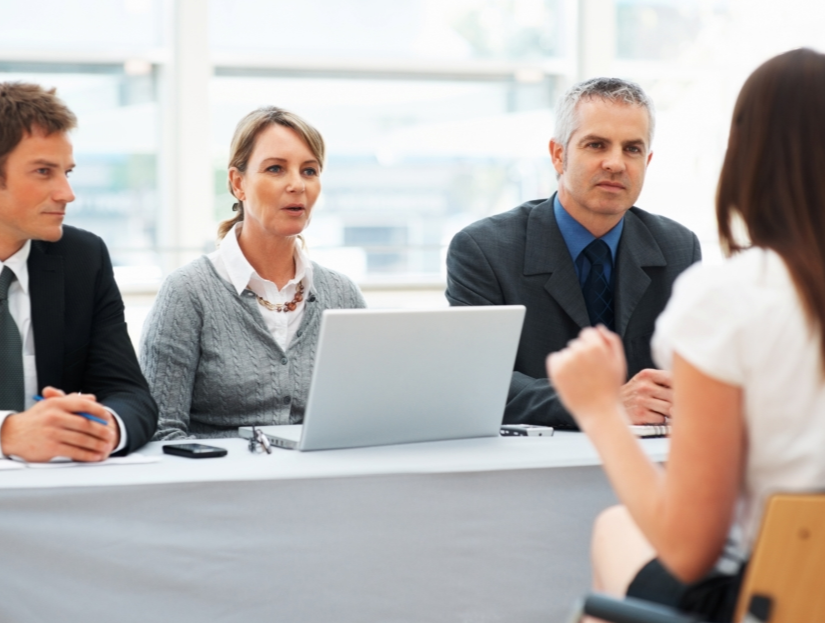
{"x": 576, "y": 237}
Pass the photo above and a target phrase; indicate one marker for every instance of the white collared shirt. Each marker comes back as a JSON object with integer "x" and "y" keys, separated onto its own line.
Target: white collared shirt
{"x": 20, "y": 308}
{"x": 233, "y": 266}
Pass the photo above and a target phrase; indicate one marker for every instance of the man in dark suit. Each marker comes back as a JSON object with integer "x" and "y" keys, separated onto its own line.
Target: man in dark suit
{"x": 585, "y": 256}
{"x": 62, "y": 331}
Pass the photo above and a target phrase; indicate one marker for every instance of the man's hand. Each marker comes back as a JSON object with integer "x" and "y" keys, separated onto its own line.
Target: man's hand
{"x": 588, "y": 378}
{"x": 648, "y": 397}
{"x": 52, "y": 428}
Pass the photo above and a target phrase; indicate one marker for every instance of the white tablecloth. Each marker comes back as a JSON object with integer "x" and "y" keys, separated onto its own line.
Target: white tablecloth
{"x": 472, "y": 530}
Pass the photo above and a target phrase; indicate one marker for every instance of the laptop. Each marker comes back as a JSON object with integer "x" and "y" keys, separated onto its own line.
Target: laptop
{"x": 397, "y": 376}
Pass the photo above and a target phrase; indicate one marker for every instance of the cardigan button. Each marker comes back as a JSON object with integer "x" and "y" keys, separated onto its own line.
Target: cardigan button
{"x": 287, "y": 399}
{"x": 284, "y": 361}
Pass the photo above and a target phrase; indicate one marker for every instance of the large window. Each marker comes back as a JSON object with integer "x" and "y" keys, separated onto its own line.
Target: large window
{"x": 48, "y": 29}
{"x": 435, "y": 112}
{"x": 101, "y": 57}
{"x": 692, "y": 57}
{"x": 370, "y": 30}
{"x": 663, "y": 30}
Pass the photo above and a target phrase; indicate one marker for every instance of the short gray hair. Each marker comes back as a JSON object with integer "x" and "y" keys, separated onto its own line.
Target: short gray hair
{"x": 611, "y": 89}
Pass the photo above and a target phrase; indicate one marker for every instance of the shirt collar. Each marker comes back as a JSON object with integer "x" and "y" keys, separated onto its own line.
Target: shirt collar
{"x": 18, "y": 263}
{"x": 241, "y": 272}
{"x": 576, "y": 237}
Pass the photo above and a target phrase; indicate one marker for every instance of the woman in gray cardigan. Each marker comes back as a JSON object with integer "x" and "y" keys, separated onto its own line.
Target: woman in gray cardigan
{"x": 231, "y": 338}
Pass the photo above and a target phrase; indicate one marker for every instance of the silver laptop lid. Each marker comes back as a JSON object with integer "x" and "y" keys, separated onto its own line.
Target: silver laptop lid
{"x": 395, "y": 376}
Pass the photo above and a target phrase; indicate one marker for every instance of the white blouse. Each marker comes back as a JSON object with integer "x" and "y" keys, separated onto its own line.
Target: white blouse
{"x": 743, "y": 324}
{"x": 233, "y": 266}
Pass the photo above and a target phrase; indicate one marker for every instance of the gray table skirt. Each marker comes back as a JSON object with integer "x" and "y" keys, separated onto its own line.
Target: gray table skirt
{"x": 459, "y": 547}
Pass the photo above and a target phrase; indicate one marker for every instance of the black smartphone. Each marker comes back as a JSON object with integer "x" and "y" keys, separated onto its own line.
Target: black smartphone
{"x": 194, "y": 450}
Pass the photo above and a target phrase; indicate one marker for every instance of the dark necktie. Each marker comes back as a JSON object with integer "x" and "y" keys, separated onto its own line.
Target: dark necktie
{"x": 597, "y": 290}
{"x": 11, "y": 351}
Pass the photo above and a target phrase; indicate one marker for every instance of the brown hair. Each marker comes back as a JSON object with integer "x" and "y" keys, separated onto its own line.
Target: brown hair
{"x": 25, "y": 106}
{"x": 773, "y": 177}
{"x": 243, "y": 144}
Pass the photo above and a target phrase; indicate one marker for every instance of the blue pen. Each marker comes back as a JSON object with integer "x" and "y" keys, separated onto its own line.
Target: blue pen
{"x": 88, "y": 416}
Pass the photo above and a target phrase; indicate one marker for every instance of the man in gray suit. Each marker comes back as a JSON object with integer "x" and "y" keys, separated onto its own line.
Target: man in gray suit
{"x": 582, "y": 257}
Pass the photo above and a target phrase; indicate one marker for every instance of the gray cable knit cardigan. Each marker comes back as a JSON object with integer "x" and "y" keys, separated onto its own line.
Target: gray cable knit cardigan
{"x": 213, "y": 366}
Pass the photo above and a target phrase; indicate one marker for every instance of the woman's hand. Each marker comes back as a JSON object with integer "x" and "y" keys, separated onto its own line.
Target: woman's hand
{"x": 589, "y": 373}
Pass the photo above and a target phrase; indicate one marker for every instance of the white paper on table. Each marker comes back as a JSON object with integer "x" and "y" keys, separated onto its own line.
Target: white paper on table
{"x": 9, "y": 464}
{"x": 132, "y": 459}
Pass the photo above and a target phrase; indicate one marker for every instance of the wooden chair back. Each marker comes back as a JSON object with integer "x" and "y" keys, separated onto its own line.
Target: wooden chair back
{"x": 788, "y": 563}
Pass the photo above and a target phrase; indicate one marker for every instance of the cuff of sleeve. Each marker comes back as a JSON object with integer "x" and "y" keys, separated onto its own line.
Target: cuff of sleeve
{"x": 123, "y": 434}
{"x": 3, "y": 416}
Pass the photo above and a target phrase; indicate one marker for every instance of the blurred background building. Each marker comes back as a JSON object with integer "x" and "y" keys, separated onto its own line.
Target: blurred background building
{"x": 436, "y": 112}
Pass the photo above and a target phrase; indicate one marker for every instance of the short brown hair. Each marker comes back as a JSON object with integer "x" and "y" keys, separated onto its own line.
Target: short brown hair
{"x": 23, "y": 107}
{"x": 773, "y": 176}
{"x": 245, "y": 137}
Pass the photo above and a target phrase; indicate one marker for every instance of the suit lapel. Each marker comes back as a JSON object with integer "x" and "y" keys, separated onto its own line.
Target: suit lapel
{"x": 637, "y": 249}
{"x": 546, "y": 252}
{"x": 46, "y": 288}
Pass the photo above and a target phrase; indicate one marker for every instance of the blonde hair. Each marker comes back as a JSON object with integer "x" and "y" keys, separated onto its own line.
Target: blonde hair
{"x": 243, "y": 144}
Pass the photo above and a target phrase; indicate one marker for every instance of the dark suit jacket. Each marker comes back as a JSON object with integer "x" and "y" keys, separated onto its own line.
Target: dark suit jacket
{"x": 520, "y": 258}
{"x": 80, "y": 338}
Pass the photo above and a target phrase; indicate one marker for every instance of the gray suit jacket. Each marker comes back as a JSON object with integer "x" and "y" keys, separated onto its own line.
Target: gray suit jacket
{"x": 520, "y": 258}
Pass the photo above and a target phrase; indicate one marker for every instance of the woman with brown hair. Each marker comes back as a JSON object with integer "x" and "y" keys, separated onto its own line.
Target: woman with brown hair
{"x": 746, "y": 345}
{"x": 231, "y": 338}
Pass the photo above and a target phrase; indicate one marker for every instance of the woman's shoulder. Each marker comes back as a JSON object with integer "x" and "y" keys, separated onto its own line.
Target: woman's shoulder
{"x": 327, "y": 277}
{"x": 196, "y": 269}
{"x": 752, "y": 274}
{"x": 196, "y": 279}
{"x": 336, "y": 287}
{"x": 716, "y": 308}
